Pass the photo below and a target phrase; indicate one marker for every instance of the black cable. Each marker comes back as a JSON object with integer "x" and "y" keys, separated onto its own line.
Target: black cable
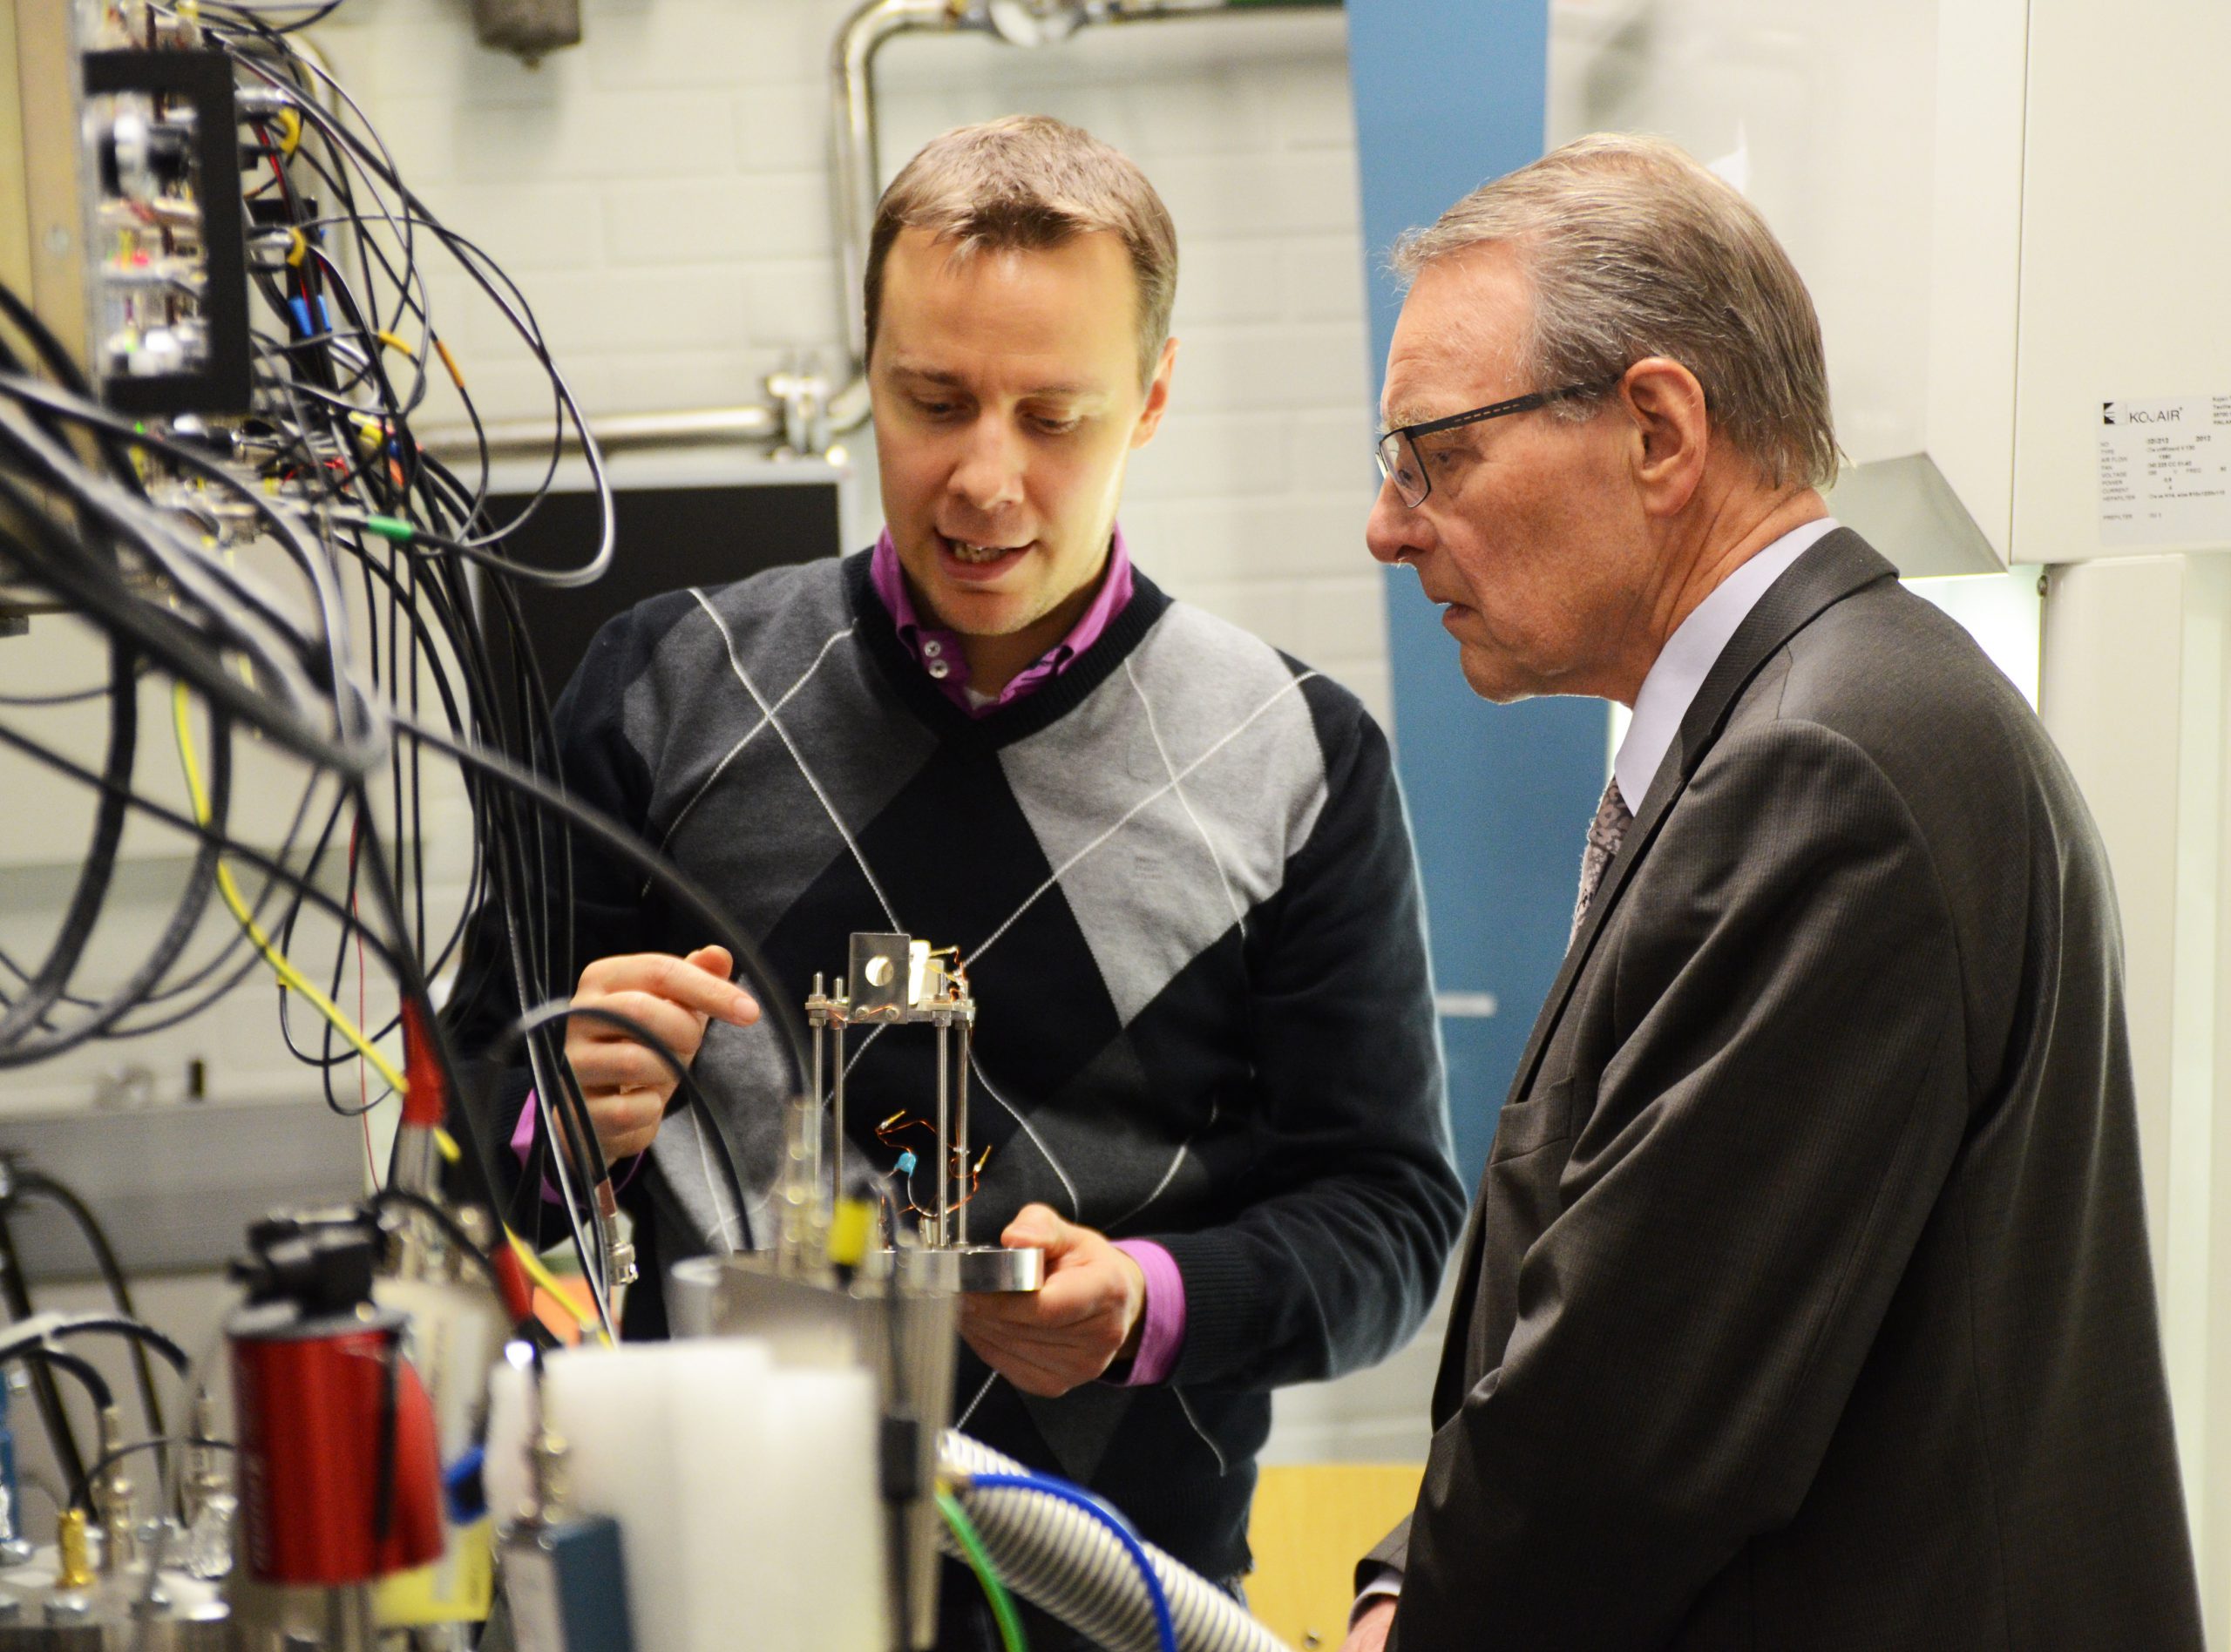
{"x": 671, "y": 879}
{"x": 138, "y": 1331}
{"x": 316, "y": 384}
{"x": 686, "y": 1092}
{"x": 233, "y": 848}
{"x": 15, "y": 1288}
{"x": 162, "y": 634}
{"x": 391, "y": 1406}
{"x": 59, "y": 1434}
{"x": 84, "y": 1371}
{"x": 72, "y": 697}
{"x": 84, "y": 910}
{"x": 38, "y": 1184}
{"x": 402, "y": 1198}
{"x": 81, "y": 1495}
{"x": 102, "y": 1016}
{"x": 59, "y": 362}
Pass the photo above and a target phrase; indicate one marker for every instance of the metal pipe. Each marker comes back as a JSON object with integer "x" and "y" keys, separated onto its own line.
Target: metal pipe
{"x": 1159, "y": 10}
{"x": 837, "y": 1132}
{"x": 532, "y": 438}
{"x": 852, "y": 149}
{"x": 837, "y": 1102}
{"x": 854, "y": 185}
{"x": 854, "y": 173}
{"x": 945, "y": 1133}
{"x": 961, "y": 1129}
{"x": 820, "y": 1096}
{"x": 854, "y": 190}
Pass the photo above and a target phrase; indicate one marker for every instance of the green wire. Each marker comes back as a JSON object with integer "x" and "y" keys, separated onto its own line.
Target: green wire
{"x": 995, "y": 1591}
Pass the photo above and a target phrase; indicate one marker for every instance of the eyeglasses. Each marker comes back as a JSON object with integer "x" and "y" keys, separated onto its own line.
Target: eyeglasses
{"x": 1399, "y": 461}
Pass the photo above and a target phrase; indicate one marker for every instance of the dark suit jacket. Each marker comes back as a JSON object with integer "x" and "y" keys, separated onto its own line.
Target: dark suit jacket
{"x": 1806, "y": 1302}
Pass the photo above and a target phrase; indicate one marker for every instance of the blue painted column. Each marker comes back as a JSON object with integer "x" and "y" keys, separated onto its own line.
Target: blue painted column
{"x": 1450, "y": 93}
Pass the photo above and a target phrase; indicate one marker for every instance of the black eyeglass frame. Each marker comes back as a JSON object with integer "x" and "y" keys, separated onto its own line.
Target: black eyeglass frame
{"x": 1393, "y": 442}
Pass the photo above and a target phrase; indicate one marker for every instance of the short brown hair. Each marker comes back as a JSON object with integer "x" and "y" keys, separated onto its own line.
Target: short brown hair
{"x": 1030, "y": 183}
{"x": 1634, "y": 249}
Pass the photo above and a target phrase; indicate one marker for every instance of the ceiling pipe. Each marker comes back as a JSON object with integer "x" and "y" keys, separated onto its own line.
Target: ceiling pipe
{"x": 805, "y": 413}
{"x": 853, "y": 171}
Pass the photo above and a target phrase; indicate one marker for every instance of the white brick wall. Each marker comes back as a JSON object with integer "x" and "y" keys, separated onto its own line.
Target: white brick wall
{"x": 661, "y": 194}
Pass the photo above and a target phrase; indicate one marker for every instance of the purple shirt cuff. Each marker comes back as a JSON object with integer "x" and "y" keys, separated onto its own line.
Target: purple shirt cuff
{"x": 523, "y": 1135}
{"x": 1161, "y": 1326}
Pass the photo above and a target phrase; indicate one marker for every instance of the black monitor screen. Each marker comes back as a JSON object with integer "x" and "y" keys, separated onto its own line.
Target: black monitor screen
{"x": 668, "y": 537}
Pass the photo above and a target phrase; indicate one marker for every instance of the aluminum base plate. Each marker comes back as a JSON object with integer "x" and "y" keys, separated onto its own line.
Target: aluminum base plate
{"x": 971, "y": 1268}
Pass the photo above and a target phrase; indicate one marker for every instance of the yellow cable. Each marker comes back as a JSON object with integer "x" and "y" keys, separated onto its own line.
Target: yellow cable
{"x": 293, "y": 978}
{"x": 542, "y": 1276}
{"x": 448, "y": 360}
{"x": 291, "y": 124}
{"x": 395, "y": 343}
{"x": 290, "y": 977}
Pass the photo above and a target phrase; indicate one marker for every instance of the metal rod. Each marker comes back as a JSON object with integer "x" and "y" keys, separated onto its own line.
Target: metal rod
{"x": 960, "y": 1127}
{"x": 837, "y": 1104}
{"x": 348, "y": 1619}
{"x": 836, "y": 1127}
{"x": 614, "y": 433}
{"x": 944, "y": 1136}
{"x": 819, "y": 1022}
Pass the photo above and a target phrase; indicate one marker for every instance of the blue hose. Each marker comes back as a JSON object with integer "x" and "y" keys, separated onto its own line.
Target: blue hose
{"x": 1046, "y": 1485}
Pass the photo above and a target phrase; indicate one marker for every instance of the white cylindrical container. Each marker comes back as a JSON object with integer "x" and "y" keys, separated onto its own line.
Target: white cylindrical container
{"x": 610, "y": 1406}
{"x": 821, "y": 1465}
{"x": 748, "y": 1493}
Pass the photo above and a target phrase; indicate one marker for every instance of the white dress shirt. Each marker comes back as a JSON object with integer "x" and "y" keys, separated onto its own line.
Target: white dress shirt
{"x": 1675, "y": 676}
{"x": 1691, "y": 652}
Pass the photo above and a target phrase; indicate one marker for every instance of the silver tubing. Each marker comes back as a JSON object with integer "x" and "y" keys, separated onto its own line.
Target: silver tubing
{"x": 614, "y": 433}
{"x": 837, "y": 1127}
{"x": 837, "y": 1102}
{"x": 854, "y": 183}
{"x": 855, "y": 187}
{"x": 819, "y": 1024}
{"x": 944, "y": 1136}
{"x": 1059, "y": 1559}
{"x": 961, "y": 1129}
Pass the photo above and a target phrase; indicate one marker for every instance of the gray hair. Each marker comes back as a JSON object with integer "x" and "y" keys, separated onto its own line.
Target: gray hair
{"x": 1633, "y": 249}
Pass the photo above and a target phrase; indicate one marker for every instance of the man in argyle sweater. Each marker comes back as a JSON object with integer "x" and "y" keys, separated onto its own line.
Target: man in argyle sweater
{"x": 1173, "y": 860}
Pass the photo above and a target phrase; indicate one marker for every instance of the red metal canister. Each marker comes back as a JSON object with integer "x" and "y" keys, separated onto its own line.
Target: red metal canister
{"x": 338, "y": 1470}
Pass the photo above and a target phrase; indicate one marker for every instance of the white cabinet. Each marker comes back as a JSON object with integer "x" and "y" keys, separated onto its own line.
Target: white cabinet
{"x": 2125, "y": 225}
{"x": 2009, "y": 211}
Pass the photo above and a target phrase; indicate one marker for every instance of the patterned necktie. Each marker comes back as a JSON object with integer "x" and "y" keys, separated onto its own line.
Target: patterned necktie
{"x": 1604, "y": 832}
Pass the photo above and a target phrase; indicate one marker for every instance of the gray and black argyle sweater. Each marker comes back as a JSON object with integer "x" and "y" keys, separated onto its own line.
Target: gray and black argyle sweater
{"x": 1181, "y": 879}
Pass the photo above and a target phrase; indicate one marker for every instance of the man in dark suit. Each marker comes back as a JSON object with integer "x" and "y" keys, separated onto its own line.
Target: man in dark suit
{"x": 1806, "y": 1302}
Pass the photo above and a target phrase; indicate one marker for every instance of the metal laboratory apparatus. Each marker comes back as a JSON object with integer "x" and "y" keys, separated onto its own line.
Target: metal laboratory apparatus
{"x": 895, "y": 981}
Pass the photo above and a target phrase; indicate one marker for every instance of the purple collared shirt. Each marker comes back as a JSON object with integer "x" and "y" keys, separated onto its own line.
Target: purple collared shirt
{"x": 939, "y": 651}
